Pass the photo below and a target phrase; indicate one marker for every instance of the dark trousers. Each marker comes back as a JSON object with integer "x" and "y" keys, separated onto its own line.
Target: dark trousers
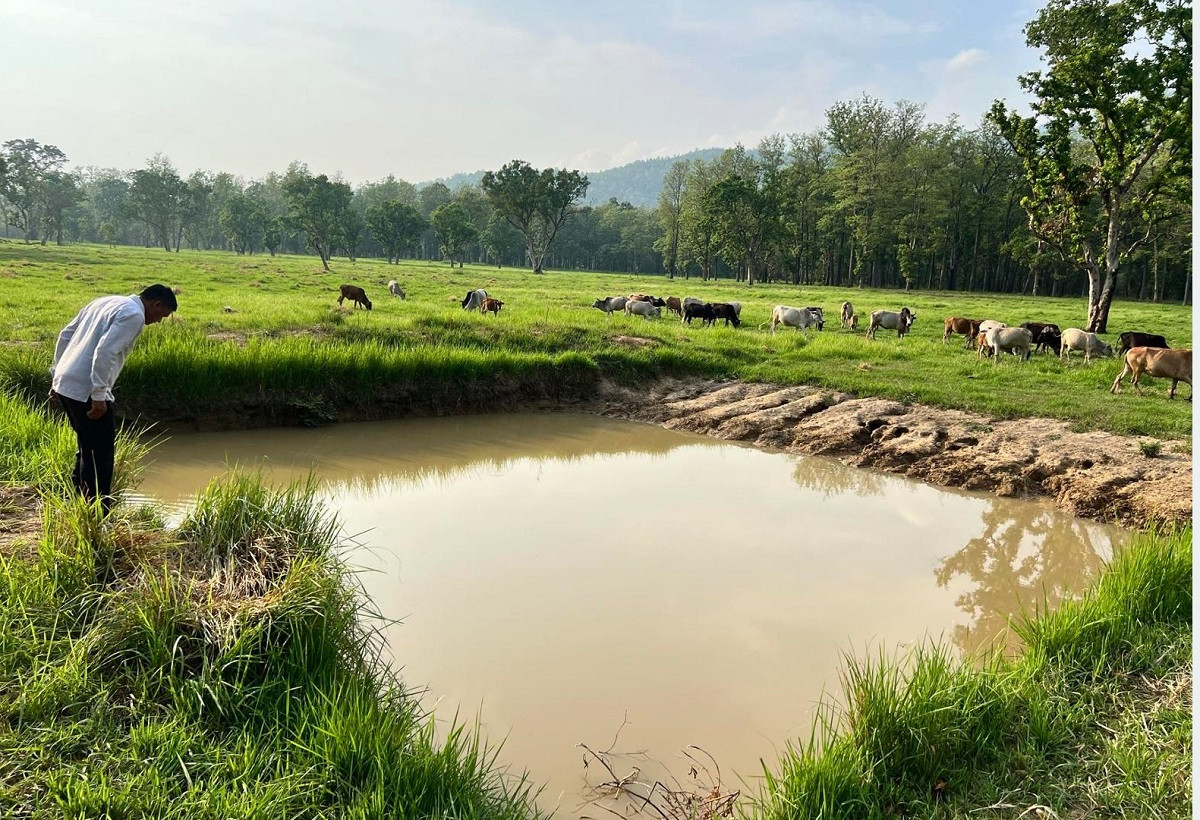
{"x": 93, "y": 473}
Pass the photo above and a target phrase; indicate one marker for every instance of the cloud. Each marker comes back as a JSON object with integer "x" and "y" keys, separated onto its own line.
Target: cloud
{"x": 965, "y": 60}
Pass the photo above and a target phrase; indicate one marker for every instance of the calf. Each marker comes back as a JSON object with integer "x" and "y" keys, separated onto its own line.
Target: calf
{"x": 491, "y": 304}
{"x": 890, "y": 320}
{"x": 969, "y": 328}
{"x": 610, "y": 304}
{"x": 1165, "y": 363}
{"x": 355, "y": 294}
{"x": 800, "y": 318}
{"x": 847, "y": 314}
{"x": 1131, "y": 338}
{"x": 701, "y": 310}
{"x": 1075, "y": 339}
{"x": 395, "y": 289}
{"x": 1015, "y": 340}
{"x": 726, "y": 311}
{"x": 675, "y": 306}
{"x": 473, "y": 299}
{"x": 643, "y": 309}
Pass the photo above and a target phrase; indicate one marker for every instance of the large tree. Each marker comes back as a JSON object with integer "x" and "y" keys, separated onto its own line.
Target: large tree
{"x": 316, "y": 209}
{"x": 1111, "y": 129}
{"x": 28, "y": 165}
{"x": 455, "y": 230}
{"x": 670, "y": 207}
{"x": 396, "y": 225}
{"x": 159, "y": 197}
{"x": 535, "y": 202}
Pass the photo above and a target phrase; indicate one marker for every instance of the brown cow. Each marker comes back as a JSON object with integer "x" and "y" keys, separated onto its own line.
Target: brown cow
{"x": 1175, "y": 365}
{"x": 957, "y": 324}
{"x": 491, "y": 304}
{"x": 675, "y": 306}
{"x": 356, "y": 295}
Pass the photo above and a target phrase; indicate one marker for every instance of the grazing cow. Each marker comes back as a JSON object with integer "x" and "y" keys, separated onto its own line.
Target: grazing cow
{"x": 1165, "y": 363}
{"x": 1015, "y": 340}
{"x": 890, "y": 320}
{"x": 473, "y": 299}
{"x": 1132, "y": 338}
{"x": 854, "y": 321}
{"x": 395, "y": 289}
{"x": 1075, "y": 339}
{"x": 643, "y": 309}
{"x": 356, "y": 295}
{"x": 847, "y": 314}
{"x": 800, "y": 318}
{"x": 1036, "y": 328}
{"x": 700, "y": 310}
{"x": 737, "y": 308}
{"x": 957, "y": 324}
{"x": 726, "y": 311}
{"x": 675, "y": 306}
{"x": 491, "y": 304}
{"x": 610, "y": 304}
{"x": 820, "y": 314}
{"x": 645, "y": 297}
{"x": 1050, "y": 339}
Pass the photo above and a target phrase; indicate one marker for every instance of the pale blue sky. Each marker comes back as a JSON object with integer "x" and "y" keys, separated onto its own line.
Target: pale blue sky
{"x": 422, "y": 89}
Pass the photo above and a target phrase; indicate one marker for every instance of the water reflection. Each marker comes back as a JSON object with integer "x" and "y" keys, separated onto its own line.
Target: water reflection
{"x": 1027, "y": 556}
{"x": 568, "y": 574}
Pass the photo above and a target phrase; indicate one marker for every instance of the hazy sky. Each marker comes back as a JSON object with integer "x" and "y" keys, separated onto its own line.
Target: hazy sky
{"x": 423, "y": 89}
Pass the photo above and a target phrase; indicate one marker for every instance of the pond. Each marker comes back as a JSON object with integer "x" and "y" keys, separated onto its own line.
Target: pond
{"x": 570, "y": 579}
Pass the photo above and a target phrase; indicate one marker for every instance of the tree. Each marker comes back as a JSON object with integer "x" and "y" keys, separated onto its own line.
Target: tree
{"x": 396, "y": 225}
{"x": 455, "y": 230}
{"x": 316, "y": 207}
{"x": 244, "y": 221}
{"x": 27, "y": 164}
{"x": 501, "y": 241}
{"x": 744, "y": 221}
{"x": 60, "y": 191}
{"x": 1111, "y": 130}
{"x": 158, "y": 197}
{"x": 670, "y": 206}
{"x": 534, "y": 202}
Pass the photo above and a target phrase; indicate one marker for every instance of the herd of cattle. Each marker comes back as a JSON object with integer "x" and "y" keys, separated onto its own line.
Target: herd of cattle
{"x": 1143, "y": 353}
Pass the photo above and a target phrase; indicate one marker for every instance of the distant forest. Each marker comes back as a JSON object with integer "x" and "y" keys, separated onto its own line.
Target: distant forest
{"x": 877, "y": 197}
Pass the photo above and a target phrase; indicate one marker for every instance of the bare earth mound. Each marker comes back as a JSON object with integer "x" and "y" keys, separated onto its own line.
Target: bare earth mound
{"x": 1094, "y": 475}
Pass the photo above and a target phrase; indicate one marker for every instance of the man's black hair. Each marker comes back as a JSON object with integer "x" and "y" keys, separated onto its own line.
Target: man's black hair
{"x": 160, "y": 293}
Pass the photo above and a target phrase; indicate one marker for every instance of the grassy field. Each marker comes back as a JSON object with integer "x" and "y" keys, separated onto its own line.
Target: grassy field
{"x": 286, "y": 337}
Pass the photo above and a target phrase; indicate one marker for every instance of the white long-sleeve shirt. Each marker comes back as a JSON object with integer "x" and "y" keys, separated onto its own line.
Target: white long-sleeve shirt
{"x": 91, "y": 350}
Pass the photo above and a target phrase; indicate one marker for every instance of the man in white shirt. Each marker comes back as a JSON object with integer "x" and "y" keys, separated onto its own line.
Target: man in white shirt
{"x": 90, "y": 353}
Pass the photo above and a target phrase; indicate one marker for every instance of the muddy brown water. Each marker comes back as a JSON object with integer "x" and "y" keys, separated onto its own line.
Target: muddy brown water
{"x": 567, "y": 578}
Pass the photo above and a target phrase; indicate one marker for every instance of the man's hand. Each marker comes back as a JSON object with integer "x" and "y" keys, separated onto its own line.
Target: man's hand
{"x": 53, "y": 397}
{"x": 98, "y": 409}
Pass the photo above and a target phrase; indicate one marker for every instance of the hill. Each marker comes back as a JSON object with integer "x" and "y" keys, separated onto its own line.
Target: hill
{"x": 637, "y": 183}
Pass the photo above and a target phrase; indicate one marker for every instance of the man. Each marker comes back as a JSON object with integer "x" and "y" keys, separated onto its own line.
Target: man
{"x": 90, "y": 353}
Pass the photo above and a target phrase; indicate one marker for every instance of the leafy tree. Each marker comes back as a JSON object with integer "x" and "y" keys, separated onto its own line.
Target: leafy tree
{"x": 1111, "y": 130}
{"x": 501, "y": 241}
{"x": 159, "y": 198}
{"x": 60, "y": 191}
{"x": 244, "y": 221}
{"x": 743, "y": 219}
{"x": 350, "y": 229}
{"x": 316, "y": 208}
{"x": 455, "y": 230}
{"x": 27, "y": 164}
{"x": 396, "y": 225}
{"x": 670, "y": 207}
{"x": 536, "y": 203}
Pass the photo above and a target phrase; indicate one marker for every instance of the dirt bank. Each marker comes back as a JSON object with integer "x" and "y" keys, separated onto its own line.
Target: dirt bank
{"x": 1094, "y": 475}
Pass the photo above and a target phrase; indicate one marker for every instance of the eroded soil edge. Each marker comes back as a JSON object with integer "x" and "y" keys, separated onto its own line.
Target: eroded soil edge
{"x": 1094, "y": 475}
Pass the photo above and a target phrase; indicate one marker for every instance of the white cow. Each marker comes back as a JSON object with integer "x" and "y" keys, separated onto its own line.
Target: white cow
{"x": 474, "y": 299}
{"x": 1075, "y": 339}
{"x": 800, "y": 318}
{"x": 395, "y": 289}
{"x": 643, "y": 309}
{"x": 891, "y": 320}
{"x": 1015, "y": 340}
{"x": 610, "y": 304}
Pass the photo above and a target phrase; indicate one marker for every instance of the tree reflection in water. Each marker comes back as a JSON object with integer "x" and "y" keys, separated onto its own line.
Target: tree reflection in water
{"x": 1028, "y": 556}
{"x": 813, "y": 473}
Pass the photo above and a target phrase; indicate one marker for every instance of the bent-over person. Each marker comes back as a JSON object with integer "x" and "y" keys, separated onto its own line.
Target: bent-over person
{"x": 88, "y": 357}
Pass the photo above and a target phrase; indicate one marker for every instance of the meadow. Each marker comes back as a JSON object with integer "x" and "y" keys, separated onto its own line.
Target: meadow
{"x": 230, "y": 666}
{"x": 284, "y": 336}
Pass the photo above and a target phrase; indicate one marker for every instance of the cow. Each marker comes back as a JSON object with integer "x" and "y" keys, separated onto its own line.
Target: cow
{"x": 645, "y": 297}
{"x": 847, "y": 314}
{"x": 698, "y": 309}
{"x": 737, "y": 308}
{"x": 1165, "y": 363}
{"x": 395, "y": 289}
{"x": 726, "y": 311}
{"x": 636, "y": 307}
{"x": 820, "y": 314}
{"x": 1015, "y": 340}
{"x": 800, "y": 318}
{"x": 1132, "y": 338}
{"x": 355, "y": 294}
{"x": 675, "y": 306}
{"x": 610, "y": 304}
{"x": 1050, "y": 339}
{"x": 1036, "y": 328}
{"x": 890, "y": 320}
{"x": 854, "y": 321}
{"x": 1075, "y": 339}
{"x": 473, "y": 299}
{"x": 958, "y": 324}
{"x": 491, "y": 304}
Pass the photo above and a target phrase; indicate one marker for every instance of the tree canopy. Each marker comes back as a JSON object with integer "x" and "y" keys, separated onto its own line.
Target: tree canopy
{"x": 536, "y": 203}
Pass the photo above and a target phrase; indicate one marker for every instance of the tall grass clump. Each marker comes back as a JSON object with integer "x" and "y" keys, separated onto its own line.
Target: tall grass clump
{"x": 1059, "y": 727}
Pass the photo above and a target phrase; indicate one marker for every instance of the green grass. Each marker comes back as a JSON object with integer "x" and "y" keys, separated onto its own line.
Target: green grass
{"x": 287, "y": 341}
